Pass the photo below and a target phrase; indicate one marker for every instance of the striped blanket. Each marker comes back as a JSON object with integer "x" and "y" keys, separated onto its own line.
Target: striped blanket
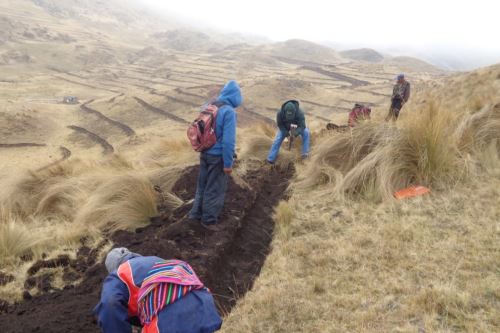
{"x": 166, "y": 282}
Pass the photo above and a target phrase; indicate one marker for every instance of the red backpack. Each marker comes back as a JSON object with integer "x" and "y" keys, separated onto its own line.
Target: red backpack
{"x": 201, "y": 132}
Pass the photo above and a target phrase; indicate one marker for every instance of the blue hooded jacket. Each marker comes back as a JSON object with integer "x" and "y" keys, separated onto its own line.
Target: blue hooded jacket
{"x": 225, "y": 125}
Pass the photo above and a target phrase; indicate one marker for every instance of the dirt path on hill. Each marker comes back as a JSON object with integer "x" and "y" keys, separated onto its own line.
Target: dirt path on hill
{"x": 341, "y": 77}
{"x": 227, "y": 261}
{"x": 107, "y": 147}
{"x": 21, "y": 145}
{"x": 125, "y": 128}
{"x": 247, "y": 116}
{"x": 65, "y": 152}
{"x": 154, "y": 109}
{"x": 85, "y": 84}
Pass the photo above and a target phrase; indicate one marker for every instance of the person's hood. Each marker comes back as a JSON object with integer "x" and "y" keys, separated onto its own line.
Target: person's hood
{"x": 231, "y": 94}
{"x": 294, "y": 102}
{"x": 290, "y": 109}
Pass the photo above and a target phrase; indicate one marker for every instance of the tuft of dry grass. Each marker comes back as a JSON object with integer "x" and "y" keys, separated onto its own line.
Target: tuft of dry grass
{"x": 426, "y": 147}
{"x": 170, "y": 153}
{"x": 16, "y": 238}
{"x": 255, "y": 142}
{"x": 283, "y": 216}
{"x": 76, "y": 199}
{"x": 478, "y": 130}
{"x": 336, "y": 153}
{"x": 120, "y": 203}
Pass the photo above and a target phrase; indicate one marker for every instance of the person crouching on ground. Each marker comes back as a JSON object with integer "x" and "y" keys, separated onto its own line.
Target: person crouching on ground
{"x": 160, "y": 295}
{"x": 216, "y": 163}
{"x": 400, "y": 95}
{"x": 291, "y": 121}
{"x": 358, "y": 113}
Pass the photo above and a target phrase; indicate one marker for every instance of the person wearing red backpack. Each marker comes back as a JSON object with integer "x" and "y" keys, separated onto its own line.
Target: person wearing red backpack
{"x": 216, "y": 162}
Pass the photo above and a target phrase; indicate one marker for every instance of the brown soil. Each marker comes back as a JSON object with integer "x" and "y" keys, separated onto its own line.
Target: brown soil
{"x": 65, "y": 152}
{"x": 20, "y": 145}
{"x": 125, "y": 128}
{"x": 5, "y": 278}
{"x": 154, "y": 109}
{"x": 337, "y": 76}
{"x": 85, "y": 84}
{"x": 107, "y": 147}
{"x": 338, "y": 128}
{"x": 228, "y": 261}
{"x": 249, "y": 117}
{"x": 182, "y": 101}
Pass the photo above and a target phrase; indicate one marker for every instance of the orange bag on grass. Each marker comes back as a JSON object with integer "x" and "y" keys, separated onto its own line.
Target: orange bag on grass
{"x": 410, "y": 192}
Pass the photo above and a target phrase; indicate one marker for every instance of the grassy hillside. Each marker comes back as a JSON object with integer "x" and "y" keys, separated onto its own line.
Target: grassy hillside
{"x": 368, "y": 55}
{"x": 412, "y": 64}
{"x": 348, "y": 258}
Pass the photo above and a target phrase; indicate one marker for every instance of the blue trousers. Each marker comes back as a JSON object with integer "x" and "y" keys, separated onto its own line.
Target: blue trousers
{"x": 194, "y": 313}
{"x": 211, "y": 190}
{"x": 280, "y": 136}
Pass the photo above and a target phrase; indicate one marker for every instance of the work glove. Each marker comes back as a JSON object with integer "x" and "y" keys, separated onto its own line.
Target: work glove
{"x": 297, "y": 132}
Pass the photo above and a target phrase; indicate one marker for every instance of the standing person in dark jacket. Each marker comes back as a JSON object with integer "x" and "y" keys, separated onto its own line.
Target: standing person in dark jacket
{"x": 216, "y": 163}
{"x": 290, "y": 117}
{"x": 160, "y": 295}
{"x": 400, "y": 95}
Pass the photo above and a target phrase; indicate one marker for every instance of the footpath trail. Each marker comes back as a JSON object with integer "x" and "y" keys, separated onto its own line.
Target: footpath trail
{"x": 65, "y": 154}
{"x": 154, "y": 109}
{"x": 228, "y": 261}
{"x": 21, "y": 144}
{"x": 106, "y": 146}
{"x": 123, "y": 127}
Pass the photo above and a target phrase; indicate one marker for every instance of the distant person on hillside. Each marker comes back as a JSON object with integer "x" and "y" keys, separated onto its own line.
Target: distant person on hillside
{"x": 358, "y": 113}
{"x": 291, "y": 121}
{"x": 400, "y": 95}
{"x": 216, "y": 163}
{"x": 159, "y": 295}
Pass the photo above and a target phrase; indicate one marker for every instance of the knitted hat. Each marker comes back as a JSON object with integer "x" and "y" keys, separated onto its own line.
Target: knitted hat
{"x": 115, "y": 258}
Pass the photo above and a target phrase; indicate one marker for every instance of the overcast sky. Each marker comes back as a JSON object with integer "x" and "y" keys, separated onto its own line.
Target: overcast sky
{"x": 471, "y": 25}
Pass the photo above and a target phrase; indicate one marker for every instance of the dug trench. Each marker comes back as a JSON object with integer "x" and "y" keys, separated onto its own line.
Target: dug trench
{"x": 227, "y": 261}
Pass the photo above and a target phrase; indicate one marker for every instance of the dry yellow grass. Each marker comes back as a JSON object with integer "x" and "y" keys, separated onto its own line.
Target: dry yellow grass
{"x": 52, "y": 210}
{"x": 342, "y": 266}
{"x": 16, "y": 239}
{"x": 431, "y": 146}
{"x": 120, "y": 203}
{"x": 428, "y": 264}
{"x": 337, "y": 265}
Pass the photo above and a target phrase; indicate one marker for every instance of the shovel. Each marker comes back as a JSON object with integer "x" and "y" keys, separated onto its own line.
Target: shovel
{"x": 292, "y": 136}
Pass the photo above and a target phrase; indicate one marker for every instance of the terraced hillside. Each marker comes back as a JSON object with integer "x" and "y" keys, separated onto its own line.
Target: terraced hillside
{"x": 67, "y": 170}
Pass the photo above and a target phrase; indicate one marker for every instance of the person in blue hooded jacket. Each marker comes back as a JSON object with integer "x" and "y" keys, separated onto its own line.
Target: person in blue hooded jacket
{"x": 216, "y": 163}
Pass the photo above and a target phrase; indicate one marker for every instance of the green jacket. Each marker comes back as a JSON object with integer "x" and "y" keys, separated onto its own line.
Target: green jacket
{"x": 297, "y": 119}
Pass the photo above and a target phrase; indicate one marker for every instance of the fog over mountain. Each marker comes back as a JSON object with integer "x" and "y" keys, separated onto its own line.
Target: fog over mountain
{"x": 450, "y": 58}
{"x": 448, "y": 34}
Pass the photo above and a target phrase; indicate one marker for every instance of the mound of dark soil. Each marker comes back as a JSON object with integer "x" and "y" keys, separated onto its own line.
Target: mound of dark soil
{"x": 5, "y": 278}
{"x": 227, "y": 261}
